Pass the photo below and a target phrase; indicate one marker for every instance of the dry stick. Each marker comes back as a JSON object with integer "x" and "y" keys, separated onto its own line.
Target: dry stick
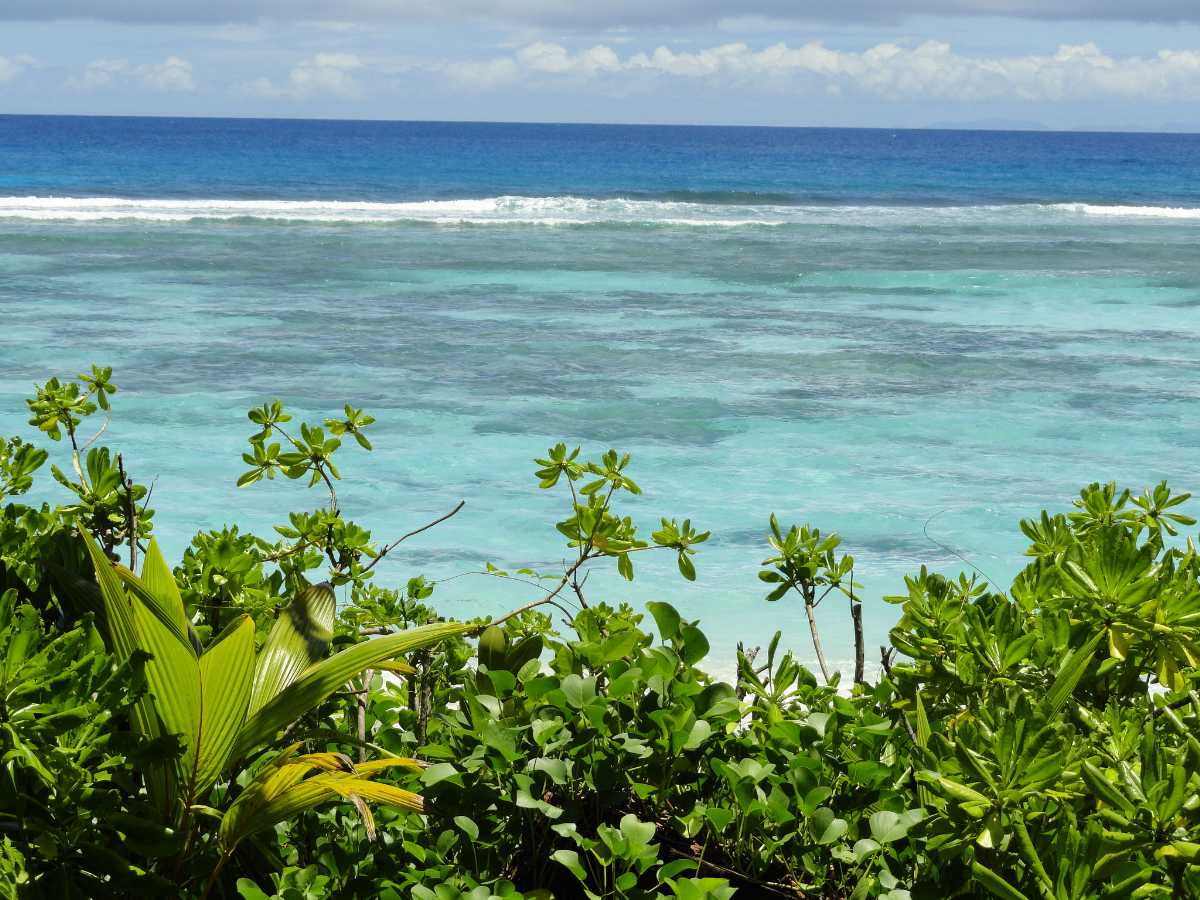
{"x": 400, "y": 540}
{"x": 860, "y": 654}
{"x": 426, "y": 694}
{"x": 860, "y": 650}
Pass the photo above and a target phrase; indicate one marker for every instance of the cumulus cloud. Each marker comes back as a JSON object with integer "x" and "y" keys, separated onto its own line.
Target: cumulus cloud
{"x": 486, "y": 74}
{"x": 322, "y": 75}
{"x": 930, "y": 70}
{"x": 12, "y": 66}
{"x": 589, "y": 13}
{"x": 172, "y": 75}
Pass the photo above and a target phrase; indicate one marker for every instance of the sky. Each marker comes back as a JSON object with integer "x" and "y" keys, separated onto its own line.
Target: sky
{"x": 1063, "y": 64}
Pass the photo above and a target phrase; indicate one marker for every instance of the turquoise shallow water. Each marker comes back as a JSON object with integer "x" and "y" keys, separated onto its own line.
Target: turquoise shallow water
{"x": 883, "y": 371}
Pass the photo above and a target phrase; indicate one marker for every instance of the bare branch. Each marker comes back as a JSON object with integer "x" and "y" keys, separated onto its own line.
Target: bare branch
{"x": 549, "y": 598}
{"x": 400, "y": 540}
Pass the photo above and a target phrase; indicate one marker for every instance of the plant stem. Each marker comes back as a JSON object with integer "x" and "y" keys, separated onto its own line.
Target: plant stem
{"x": 860, "y": 652}
{"x": 812, "y": 626}
{"x": 212, "y": 879}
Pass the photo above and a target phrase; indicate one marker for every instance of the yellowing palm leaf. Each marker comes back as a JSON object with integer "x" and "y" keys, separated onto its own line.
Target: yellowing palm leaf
{"x": 287, "y": 786}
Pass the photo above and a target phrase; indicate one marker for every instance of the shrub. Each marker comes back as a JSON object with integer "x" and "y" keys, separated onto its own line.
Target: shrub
{"x": 1038, "y": 742}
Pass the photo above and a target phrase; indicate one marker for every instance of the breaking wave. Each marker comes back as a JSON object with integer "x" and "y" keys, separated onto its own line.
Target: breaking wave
{"x": 696, "y": 211}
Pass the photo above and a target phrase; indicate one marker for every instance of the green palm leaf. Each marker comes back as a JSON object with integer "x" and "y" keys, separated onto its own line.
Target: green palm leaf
{"x": 225, "y": 672}
{"x": 299, "y": 638}
{"x": 325, "y": 677}
{"x": 123, "y": 636}
{"x": 161, "y": 589}
{"x": 173, "y": 675}
{"x": 118, "y": 608}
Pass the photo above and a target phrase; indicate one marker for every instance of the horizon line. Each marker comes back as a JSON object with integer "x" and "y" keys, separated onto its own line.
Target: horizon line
{"x": 963, "y": 127}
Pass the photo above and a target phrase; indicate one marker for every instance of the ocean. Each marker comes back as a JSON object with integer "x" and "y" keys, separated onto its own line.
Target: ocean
{"x": 913, "y": 338}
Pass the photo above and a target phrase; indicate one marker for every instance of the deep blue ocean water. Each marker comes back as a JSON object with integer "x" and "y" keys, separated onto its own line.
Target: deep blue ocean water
{"x": 914, "y": 338}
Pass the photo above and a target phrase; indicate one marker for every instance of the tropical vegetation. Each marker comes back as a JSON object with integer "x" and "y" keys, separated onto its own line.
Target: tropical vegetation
{"x": 266, "y": 720}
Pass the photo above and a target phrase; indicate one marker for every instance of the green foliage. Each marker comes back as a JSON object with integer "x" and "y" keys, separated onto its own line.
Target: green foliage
{"x": 72, "y": 820}
{"x": 228, "y": 728}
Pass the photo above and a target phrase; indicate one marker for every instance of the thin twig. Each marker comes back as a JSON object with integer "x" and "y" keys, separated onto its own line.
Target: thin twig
{"x": 131, "y": 516}
{"x": 95, "y": 437}
{"x": 950, "y": 550}
{"x": 549, "y": 598}
{"x": 396, "y": 543}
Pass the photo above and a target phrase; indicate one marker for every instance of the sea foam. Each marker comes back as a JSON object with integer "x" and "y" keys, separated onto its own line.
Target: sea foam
{"x": 560, "y": 210}
{"x": 1149, "y": 212}
{"x": 491, "y": 210}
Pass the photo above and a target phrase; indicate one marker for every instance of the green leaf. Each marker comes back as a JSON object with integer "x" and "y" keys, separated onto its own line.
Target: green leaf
{"x": 173, "y": 675}
{"x": 226, "y": 670}
{"x": 695, "y": 644}
{"x": 251, "y": 891}
{"x": 299, "y": 638}
{"x": 1105, "y": 790}
{"x": 994, "y": 883}
{"x": 570, "y": 859}
{"x": 440, "y": 772}
{"x": 161, "y": 589}
{"x": 578, "y": 690}
{"x": 123, "y": 637}
{"x": 323, "y": 678}
{"x": 887, "y": 827}
{"x": 468, "y": 826}
{"x": 666, "y": 618}
{"x": 824, "y": 827}
{"x": 864, "y": 848}
{"x": 118, "y": 608}
{"x": 1068, "y": 677}
{"x": 493, "y": 646}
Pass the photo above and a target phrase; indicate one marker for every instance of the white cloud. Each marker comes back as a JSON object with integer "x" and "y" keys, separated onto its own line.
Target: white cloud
{"x": 172, "y": 75}
{"x": 484, "y": 75}
{"x": 322, "y": 75}
{"x": 12, "y": 66}
{"x": 930, "y": 70}
{"x": 546, "y": 57}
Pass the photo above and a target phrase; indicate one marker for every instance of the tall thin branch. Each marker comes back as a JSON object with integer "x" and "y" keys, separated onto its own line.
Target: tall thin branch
{"x": 816, "y": 636}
